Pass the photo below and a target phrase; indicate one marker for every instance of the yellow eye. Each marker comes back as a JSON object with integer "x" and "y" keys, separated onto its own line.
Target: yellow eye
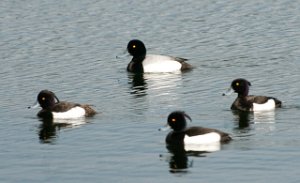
{"x": 237, "y": 84}
{"x": 133, "y": 46}
{"x": 43, "y": 98}
{"x": 173, "y": 119}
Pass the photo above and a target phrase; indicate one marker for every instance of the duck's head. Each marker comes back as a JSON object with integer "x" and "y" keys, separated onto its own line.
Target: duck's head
{"x": 177, "y": 120}
{"x": 241, "y": 86}
{"x": 47, "y": 99}
{"x": 136, "y": 48}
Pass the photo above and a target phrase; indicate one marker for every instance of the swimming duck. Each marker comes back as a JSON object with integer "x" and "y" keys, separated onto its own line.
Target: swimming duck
{"x": 52, "y": 108}
{"x": 245, "y": 102}
{"x": 144, "y": 63}
{"x": 181, "y": 135}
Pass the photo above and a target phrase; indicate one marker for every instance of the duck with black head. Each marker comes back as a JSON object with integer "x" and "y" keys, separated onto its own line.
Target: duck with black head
{"x": 245, "y": 102}
{"x": 145, "y": 63}
{"x": 53, "y": 108}
{"x": 193, "y": 138}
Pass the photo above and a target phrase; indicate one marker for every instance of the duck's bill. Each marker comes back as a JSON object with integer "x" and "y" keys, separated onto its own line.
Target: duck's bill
{"x": 123, "y": 55}
{"x": 35, "y": 105}
{"x": 229, "y": 91}
{"x": 164, "y": 128}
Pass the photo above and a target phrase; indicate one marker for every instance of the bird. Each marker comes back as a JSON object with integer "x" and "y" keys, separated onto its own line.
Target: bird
{"x": 196, "y": 135}
{"x": 53, "y": 108}
{"x": 145, "y": 63}
{"x": 245, "y": 102}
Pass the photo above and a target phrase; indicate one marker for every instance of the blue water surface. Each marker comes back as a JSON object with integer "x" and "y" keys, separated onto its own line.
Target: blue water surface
{"x": 70, "y": 47}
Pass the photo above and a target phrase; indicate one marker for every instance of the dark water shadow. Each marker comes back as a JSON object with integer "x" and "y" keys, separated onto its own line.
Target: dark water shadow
{"x": 138, "y": 84}
{"x": 48, "y": 129}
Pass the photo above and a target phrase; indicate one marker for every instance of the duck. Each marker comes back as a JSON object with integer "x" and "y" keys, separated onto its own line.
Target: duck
{"x": 53, "y": 108}
{"x": 245, "y": 102}
{"x": 181, "y": 135}
{"x": 145, "y": 63}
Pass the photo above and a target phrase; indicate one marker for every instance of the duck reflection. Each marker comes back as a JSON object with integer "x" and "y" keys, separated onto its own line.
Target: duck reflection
{"x": 159, "y": 83}
{"x": 264, "y": 116}
{"x": 179, "y": 161}
{"x": 49, "y": 128}
{"x": 242, "y": 119}
{"x": 139, "y": 85}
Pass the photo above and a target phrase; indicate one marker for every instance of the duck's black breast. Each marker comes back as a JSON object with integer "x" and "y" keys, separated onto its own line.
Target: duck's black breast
{"x": 136, "y": 64}
{"x": 135, "y": 67}
{"x": 175, "y": 138}
{"x": 242, "y": 104}
{"x": 45, "y": 114}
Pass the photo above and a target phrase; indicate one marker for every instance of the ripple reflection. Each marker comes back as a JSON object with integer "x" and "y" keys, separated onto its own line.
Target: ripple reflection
{"x": 138, "y": 84}
{"x": 179, "y": 156}
{"x": 158, "y": 83}
{"x": 48, "y": 128}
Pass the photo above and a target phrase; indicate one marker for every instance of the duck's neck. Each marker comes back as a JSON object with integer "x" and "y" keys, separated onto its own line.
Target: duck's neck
{"x": 138, "y": 59}
{"x": 244, "y": 94}
{"x": 48, "y": 106}
{"x": 241, "y": 95}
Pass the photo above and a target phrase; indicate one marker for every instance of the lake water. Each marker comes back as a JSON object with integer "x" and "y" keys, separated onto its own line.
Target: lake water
{"x": 70, "y": 47}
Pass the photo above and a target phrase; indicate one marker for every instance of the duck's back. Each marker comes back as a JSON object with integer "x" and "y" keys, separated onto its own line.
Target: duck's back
{"x": 64, "y": 106}
{"x": 201, "y": 134}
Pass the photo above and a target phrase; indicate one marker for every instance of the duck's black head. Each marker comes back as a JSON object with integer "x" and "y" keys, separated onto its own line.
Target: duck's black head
{"x": 136, "y": 48}
{"x": 177, "y": 120}
{"x": 47, "y": 99}
{"x": 241, "y": 86}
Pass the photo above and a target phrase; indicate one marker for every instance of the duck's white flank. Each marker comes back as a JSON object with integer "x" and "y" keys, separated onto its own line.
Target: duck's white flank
{"x": 269, "y": 105}
{"x": 210, "y": 147}
{"x": 76, "y": 112}
{"x": 208, "y": 138}
{"x": 160, "y": 63}
{"x": 71, "y": 121}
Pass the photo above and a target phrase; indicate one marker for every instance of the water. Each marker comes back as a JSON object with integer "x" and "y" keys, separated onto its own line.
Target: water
{"x": 70, "y": 47}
